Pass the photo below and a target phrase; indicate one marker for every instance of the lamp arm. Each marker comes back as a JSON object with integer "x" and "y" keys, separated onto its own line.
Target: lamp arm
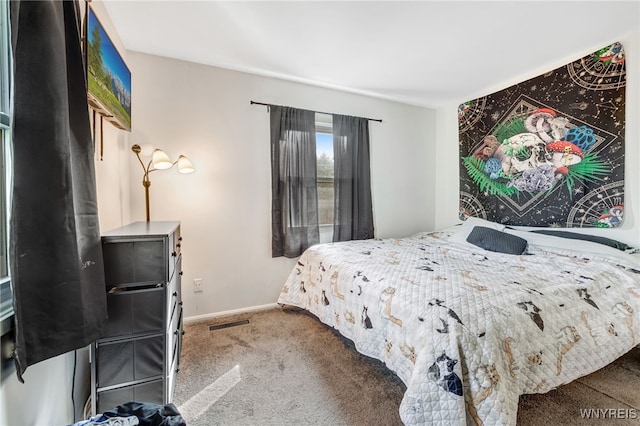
{"x": 149, "y": 169}
{"x": 140, "y": 160}
{"x": 145, "y": 177}
{"x": 146, "y": 183}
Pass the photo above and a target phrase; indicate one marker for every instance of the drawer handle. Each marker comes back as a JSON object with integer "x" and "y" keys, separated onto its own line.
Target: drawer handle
{"x": 178, "y": 245}
{"x": 180, "y": 273}
{"x": 174, "y": 254}
{"x": 180, "y": 303}
{"x": 179, "y": 238}
{"x": 175, "y": 294}
{"x": 183, "y": 332}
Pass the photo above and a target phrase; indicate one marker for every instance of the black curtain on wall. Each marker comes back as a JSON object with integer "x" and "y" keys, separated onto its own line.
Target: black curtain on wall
{"x": 55, "y": 252}
{"x": 353, "y": 209}
{"x": 294, "y": 210}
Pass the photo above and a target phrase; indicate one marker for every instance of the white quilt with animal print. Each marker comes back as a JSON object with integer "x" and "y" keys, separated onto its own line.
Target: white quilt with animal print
{"x": 469, "y": 330}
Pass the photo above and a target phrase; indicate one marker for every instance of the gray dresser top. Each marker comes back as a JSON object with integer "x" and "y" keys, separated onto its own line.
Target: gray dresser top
{"x": 147, "y": 229}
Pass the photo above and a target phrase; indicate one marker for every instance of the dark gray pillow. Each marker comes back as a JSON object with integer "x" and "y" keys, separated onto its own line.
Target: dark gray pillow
{"x": 576, "y": 236}
{"x": 492, "y": 240}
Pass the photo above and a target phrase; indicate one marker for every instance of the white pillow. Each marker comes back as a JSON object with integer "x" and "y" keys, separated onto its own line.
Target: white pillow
{"x": 463, "y": 231}
{"x": 579, "y": 246}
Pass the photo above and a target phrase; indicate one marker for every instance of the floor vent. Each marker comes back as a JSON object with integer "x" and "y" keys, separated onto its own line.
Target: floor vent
{"x": 228, "y": 324}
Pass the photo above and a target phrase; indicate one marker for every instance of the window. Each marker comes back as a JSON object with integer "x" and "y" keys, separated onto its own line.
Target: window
{"x": 324, "y": 154}
{"x": 6, "y": 298}
{"x": 300, "y": 139}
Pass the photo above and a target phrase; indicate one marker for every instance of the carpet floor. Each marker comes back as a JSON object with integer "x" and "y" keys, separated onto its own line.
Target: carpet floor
{"x": 280, "y": 367}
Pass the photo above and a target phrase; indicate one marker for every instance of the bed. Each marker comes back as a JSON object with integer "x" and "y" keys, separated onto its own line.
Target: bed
{"x": 467, "y": 327}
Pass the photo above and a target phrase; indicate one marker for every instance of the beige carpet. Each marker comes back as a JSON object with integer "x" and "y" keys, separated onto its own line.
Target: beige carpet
{"x": 287, "y": 368}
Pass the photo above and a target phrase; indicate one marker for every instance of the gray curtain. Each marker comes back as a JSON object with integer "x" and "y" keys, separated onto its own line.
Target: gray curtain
{"x": 353, "y": 211}
{"x": 294, "y": 210}
{"x": 55, "y": 252}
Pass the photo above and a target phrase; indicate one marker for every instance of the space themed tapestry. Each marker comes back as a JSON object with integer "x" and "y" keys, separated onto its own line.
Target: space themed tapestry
{"x": 548, "y": 152}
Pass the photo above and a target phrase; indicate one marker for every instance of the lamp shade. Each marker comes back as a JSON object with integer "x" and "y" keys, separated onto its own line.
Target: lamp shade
{"x": 184, "y": 165}
{"x": 160, "y": 160}
{"x": 146, "y": 150}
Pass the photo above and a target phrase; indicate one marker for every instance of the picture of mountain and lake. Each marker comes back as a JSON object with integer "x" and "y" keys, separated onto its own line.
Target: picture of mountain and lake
{"x": 108, "y": 77}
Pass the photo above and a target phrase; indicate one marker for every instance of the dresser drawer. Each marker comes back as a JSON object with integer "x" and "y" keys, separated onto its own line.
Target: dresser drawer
{"x": 135, "y": 309}
{"x": 134, "y": 261}
{"x": 152, "y": 391}
{"x": 174, "y": 337}
{"x": 129, "y": 360}
{"x": 174, "y": 362}
{"x": 174, "y": 248}
{"x": 174, "y": 291}
{"x": 177, "y": 241}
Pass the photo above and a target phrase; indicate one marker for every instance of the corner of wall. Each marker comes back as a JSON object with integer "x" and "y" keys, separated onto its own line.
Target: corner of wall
{"x": 447, "y": 171}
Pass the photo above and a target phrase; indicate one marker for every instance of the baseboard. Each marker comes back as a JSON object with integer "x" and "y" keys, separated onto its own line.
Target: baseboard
{"x": 205, "y": 317}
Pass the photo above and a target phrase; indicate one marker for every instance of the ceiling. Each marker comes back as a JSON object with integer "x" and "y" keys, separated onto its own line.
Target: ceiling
{"x": 425, "y": 53}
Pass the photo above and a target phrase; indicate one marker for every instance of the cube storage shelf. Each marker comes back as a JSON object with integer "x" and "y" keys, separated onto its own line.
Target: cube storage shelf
{"x": 138, "y": 357}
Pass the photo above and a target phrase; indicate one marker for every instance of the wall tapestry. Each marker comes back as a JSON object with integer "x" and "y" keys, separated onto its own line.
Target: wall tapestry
{"x": 548, "y": 151}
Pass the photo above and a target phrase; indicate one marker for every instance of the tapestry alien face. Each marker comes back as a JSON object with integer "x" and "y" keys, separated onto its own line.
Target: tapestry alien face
{"x": 548, "y": 151}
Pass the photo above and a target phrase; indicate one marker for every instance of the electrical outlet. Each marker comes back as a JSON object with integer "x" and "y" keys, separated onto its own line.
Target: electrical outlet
{"x": 197, "y": 285}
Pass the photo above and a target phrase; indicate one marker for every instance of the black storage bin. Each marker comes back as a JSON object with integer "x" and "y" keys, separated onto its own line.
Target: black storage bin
{"x": 134, "y": 261}
{"x": 149, "y": 392}
{"x": 130, "y": 360}
{"x": 135, "y": 309}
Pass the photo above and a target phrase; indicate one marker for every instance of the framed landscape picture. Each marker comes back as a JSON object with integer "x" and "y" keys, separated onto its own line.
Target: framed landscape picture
{"x": 108, "y": 77}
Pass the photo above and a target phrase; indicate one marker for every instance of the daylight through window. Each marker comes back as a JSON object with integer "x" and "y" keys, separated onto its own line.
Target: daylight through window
{"x": 324, "y": 155}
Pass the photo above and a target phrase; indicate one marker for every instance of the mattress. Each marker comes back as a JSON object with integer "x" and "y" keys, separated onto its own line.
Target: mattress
{"x": 469, "y": 330}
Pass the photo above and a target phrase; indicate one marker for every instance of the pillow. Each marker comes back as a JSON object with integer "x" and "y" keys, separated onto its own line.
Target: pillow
{"x": 586, "y": 237}
{"x": 460, "y": 236}
{"x": 555, "y": 244}
{"x": 493, "y": 240}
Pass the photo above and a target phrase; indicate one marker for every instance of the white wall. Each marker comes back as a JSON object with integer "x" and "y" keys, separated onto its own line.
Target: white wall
{"x": 112, "y": 177}
{"x": 447, "y": 176}
{"x": 225, "y": 206}
{"x": 44, "y": 398}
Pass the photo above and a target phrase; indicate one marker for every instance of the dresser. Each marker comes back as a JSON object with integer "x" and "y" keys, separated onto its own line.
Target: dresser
{"x": 138, "y": 357}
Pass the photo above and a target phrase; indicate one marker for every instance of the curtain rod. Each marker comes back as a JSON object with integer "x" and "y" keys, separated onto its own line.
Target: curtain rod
{"x": 319, "y": 112}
